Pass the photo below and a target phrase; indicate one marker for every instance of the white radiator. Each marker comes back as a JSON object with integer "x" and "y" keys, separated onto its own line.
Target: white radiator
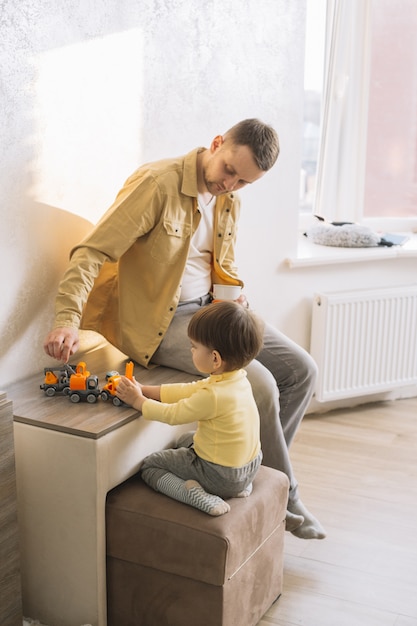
{"x": 364, "y": 341}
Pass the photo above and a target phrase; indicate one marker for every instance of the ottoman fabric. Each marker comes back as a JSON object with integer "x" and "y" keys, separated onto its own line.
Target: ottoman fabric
{"x": 170, "y": 564}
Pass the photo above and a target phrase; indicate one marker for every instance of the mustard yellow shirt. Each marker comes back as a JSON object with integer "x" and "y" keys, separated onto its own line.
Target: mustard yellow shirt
{"x": 225, "y": 410}
{"x": 123, "y": 279}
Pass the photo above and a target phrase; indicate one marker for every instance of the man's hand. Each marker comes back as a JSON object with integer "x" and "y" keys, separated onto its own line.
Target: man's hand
{"x": 242, "y": 300}
{"x": 61, "y": 343}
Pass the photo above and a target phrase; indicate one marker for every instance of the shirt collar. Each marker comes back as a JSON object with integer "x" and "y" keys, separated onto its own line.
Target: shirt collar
{"x": 227, "y": 375}
{"x": 189, "y": 181}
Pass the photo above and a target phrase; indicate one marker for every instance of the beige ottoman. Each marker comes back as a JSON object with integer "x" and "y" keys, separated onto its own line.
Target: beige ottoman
{"x": 169, "y": 564}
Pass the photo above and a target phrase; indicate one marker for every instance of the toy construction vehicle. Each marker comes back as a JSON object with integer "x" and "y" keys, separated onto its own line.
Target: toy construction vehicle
{"x": 113, "y": 379}
{"x": 83, "y": 385}
{"x": 57, "y": 379}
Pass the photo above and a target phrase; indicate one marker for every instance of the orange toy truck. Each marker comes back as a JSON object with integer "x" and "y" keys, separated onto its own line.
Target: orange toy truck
{"x": 113, "y": 378}
{"x": 83, "y": 385}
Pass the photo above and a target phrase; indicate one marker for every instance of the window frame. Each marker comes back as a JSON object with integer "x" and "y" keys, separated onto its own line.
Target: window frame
{"x": 341, "y": 164}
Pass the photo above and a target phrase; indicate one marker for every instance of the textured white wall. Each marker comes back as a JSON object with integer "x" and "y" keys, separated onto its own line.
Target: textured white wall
{"x": 92, "y": 89}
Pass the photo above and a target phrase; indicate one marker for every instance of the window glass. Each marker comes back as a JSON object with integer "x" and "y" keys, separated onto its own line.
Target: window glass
{"x": 367, "y": 166}
{"x": 313, "y": 86}
{"x": 391, "y": 157}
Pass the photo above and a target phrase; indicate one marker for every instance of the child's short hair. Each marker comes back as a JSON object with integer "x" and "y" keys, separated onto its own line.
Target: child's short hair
{"x": 235, "y": 332}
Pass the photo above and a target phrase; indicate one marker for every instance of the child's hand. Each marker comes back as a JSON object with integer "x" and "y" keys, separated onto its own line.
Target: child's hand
{"x": 130, "y": 392}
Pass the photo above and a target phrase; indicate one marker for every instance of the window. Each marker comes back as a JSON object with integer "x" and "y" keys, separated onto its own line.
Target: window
{"x": 366, "y": 144}
{"x": 391, "y": 159}
{"x": 313, "y": 88}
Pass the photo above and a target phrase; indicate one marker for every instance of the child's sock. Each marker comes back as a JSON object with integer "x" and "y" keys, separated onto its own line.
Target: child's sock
{"x": 245, "y": 493}
{"x": 207, "y": 502}
{"x": 191, "y": 492}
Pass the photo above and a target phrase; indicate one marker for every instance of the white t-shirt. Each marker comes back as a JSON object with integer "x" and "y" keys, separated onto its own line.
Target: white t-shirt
{"x": 196, "y": 280}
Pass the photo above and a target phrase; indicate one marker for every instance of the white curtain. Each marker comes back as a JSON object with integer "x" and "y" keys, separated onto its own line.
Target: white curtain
{"x": 341, "y": 163}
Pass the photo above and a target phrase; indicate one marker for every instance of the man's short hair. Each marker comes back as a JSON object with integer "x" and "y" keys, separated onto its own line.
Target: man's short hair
{"x": 261, "y": 138}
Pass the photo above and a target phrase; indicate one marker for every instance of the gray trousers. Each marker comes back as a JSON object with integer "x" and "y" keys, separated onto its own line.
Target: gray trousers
{"x": 226, "y": 482}
{"x": 282, "y": 377}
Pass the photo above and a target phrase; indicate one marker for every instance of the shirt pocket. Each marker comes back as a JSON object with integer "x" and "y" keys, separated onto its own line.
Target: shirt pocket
{"x": 169, "y": 241}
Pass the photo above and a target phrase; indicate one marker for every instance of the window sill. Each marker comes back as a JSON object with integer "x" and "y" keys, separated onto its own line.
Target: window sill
{"x": 310, "y": 254}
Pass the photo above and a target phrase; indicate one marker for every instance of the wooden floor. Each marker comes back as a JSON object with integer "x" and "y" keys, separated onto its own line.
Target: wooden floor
{"x": 357, "y": 471}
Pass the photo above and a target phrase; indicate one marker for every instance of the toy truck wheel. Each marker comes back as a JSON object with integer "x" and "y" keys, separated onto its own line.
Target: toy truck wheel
{"x": 65, "y": 391}
{"x": 50, "y": 391}
{"x": 91, "y": 398}
{"x": 104, "y": 396}
{"x": 74, "y": 397}
{"x": 117, "y": 401}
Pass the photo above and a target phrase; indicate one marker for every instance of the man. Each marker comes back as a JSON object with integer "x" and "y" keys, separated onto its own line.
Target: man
{"x": 150, "y": 263}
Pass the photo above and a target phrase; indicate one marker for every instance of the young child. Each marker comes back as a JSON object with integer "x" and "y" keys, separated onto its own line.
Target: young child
{"x": 222, "y": 457}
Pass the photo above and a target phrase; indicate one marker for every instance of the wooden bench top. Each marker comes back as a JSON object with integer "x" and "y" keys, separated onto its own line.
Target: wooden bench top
{"x": 32, "y": 406}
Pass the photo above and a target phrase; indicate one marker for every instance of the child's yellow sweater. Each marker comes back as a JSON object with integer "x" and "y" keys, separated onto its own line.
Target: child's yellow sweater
{"x": 224, "y": 408}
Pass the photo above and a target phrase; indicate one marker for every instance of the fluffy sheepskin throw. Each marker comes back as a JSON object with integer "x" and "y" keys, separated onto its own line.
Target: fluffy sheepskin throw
{"x": 343, "y": 236}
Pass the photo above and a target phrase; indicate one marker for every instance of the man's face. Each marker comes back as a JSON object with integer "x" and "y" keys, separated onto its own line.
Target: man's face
{"x": 229, "y": 167}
